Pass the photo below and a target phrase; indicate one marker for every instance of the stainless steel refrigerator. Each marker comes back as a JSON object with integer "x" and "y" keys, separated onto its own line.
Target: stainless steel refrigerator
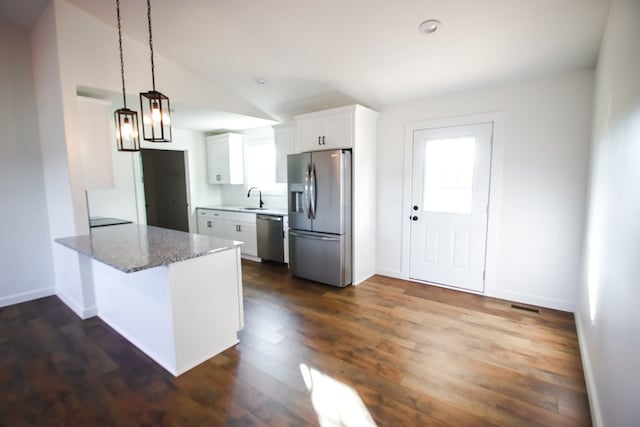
{"x": 319, "y": 198}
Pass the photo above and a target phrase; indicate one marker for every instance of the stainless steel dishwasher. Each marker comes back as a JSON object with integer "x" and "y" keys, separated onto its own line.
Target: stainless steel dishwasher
{"x": 270, "y": 237}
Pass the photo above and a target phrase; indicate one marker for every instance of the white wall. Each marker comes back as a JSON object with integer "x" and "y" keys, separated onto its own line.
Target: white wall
{"x": 541, "y": 150}
{"x": 66, "y": 208}
{"x": 607, "y": 317}
{"x": 90, "y": 58}
{"x": 25, "y": 250}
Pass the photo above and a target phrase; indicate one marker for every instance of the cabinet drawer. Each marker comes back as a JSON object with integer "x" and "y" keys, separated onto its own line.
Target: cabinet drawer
{"x": 247, "y": 217}
{"x": 211, "y": 214}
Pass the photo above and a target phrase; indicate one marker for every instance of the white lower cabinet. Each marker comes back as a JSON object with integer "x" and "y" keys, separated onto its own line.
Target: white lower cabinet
{"x": 242, "y": 226}
{"x": 210, "y": 222}
{"x": 243, "y": 232}
{"x": 230, "y": 225}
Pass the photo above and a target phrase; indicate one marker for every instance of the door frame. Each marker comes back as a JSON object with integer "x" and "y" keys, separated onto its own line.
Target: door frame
{"x": 495, "y": 177}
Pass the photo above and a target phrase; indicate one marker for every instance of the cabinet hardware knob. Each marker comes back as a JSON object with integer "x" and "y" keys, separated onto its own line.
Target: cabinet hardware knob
{"x": 323, "y": 143}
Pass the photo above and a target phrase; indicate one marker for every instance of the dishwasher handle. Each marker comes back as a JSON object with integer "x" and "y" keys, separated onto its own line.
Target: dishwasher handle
{"x": 269, "y": 218}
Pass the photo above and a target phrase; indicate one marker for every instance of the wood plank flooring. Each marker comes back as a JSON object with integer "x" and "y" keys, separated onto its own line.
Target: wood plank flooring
{"x": 386, "y": 353}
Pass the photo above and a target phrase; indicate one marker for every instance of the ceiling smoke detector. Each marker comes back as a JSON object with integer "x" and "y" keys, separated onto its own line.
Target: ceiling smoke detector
{"x": 429, "y": 26}
{"x": 261, "y": 81}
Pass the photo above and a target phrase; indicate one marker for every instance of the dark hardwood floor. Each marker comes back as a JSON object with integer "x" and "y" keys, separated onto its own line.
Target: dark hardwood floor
{"x": 386, "y": 353}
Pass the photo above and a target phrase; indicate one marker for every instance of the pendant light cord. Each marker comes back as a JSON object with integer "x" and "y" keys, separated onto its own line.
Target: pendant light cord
{"x": 124, "y": 96}
{"x": 153, "y": 74}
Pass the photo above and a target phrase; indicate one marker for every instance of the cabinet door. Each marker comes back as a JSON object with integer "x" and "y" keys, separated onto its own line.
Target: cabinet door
{"x": 203, "y": 227}
{"x": 211, "y": 227}
{"x": 243, "y": 232}
{"x": 218, "y": 161}
{"x": 210, "y": 222}
{"x": 284, "y": 138}
{"x": 325, "y": 132}
{"x": 309, "y": 134}
{"x": 249, "y": 236}
{"x": 224, "y": 159}
{"x": 338, "y": 131}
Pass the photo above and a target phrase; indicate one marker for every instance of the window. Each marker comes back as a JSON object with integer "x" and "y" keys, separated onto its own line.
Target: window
{"x": 448, "y": 177}
{"x": 260, "y": 165}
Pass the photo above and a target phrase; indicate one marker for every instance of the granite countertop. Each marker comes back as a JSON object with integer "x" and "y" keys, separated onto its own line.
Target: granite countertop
{"x": 99, "y": 221}
{"x": 263, "y": 211}
{"x": 135, "y": 247}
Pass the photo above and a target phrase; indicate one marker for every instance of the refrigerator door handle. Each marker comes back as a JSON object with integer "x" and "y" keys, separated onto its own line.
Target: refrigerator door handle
{"x": 308, "y": 236}
{"x": 307, "y": 190}
{"x": 313, "y": 195}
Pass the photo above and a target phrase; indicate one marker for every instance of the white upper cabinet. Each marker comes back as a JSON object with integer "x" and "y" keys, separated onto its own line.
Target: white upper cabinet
{"x": 224, "y": 159}
{"x": 325, "y": 130}
{"x": 284, "y": 137}
{"x": 96, "y": 143}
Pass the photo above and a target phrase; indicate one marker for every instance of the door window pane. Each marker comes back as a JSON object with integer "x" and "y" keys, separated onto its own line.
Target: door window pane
{"x": 448, "y": 175}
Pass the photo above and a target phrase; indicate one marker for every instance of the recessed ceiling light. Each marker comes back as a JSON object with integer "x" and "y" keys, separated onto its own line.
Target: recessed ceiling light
{"x": 261, "y": 81}
{"x": 429, "y": 26}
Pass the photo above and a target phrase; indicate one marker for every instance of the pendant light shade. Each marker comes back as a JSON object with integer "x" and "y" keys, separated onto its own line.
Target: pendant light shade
{"x": 126, "y": 120}
{"x": 127, "y": 130}
{"x": 154, "y": 106}
{"x": 156, "y": 116}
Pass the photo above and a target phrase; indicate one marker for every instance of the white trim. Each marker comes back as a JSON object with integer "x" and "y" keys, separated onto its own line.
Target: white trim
{"x": 532, "y": 300}
{"x": 26, "y": 296}
{"x": 251, "y": 258}
{"x": 503, "y": 295}
{"x": 493, "y": 228}
{"x": 594, "y": 403}
{"x": 396, "y": 274}
{"x": 83, "y": 313}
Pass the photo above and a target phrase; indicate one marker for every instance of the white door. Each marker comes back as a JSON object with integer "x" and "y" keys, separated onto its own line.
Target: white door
{"x": 449, "y": 205}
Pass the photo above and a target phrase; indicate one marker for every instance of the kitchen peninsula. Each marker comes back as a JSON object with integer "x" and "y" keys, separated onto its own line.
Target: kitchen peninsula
{"x": 176, "y": 296}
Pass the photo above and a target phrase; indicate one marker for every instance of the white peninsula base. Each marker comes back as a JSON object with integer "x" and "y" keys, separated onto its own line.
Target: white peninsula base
{"x": 180, "y": 314}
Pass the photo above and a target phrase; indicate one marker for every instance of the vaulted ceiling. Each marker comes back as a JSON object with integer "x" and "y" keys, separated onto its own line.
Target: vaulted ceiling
{"x": 317, "y": 54}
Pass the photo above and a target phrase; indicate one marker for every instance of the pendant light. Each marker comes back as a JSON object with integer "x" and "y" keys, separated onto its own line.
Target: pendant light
{"x": 154, "y": 106}
{"x": 126, "y": 120}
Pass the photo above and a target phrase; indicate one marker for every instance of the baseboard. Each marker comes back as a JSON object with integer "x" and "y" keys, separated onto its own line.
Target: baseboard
{"x": 26, "y": 296}
{"x": 396, "y": 274}
{"x": 594, "y": 403}
{"x": 531, "y": 300}
{"x": 251, "y": 258}
{"x": 78, "y": 309}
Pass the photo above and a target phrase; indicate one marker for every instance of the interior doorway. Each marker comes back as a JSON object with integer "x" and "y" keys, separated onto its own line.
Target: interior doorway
{"x": 450, "y": 204}
{"x": 165, "y": 188}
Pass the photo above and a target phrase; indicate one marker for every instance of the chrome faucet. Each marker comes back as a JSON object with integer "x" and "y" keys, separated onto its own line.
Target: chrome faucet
{"x": 249, "y": 194}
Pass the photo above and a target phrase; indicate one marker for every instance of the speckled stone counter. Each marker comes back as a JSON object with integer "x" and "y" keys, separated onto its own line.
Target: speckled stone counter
{"x": 134, "y": 247}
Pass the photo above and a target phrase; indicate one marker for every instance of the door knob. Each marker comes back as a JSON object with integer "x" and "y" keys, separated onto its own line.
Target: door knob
{"x": 414, "y": 218}
{"x": 415, "y": 207}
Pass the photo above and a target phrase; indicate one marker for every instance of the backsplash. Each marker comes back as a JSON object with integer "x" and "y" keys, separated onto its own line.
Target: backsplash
{"x": 236, "y": 195}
